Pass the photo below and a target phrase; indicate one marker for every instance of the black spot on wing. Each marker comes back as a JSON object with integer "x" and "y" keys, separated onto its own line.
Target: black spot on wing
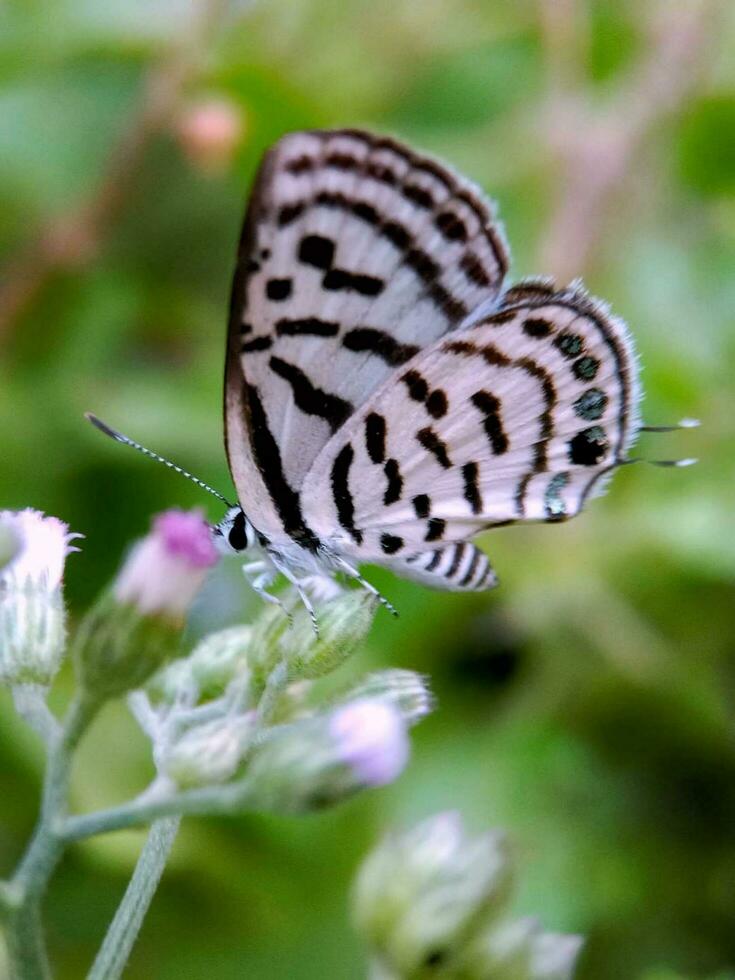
{"x": 588, "y": 447}
{"x": 310, "y": 399}
{"x": 341, "y": 491}
{"x": 390, "y": 543}
{"x": 470, "y": 474}
{"x": 473, "y": 269}
{"x": 435, "y": 529}
{"x": 433, "y": 444}
{"x": 395, "y": 482}
{"x": 537, "y": 327}
{"x": 437, "y": 404}
{"x": 451, "y": 226}
{"x": 278, "y": 289}
{"x": 380, "y": 343}
{"x": 310, "y": 326}
{"x": 256, "y": 344}
{"x": 316, "y": 250}
{"x": 489, "y": 407}
{"x": 341, "y": 279}
{"x": 375, "y": 437}
{"x": 422, "y": 505}
{"x": 289, "y": 213}
{"x": 418, "y": 389}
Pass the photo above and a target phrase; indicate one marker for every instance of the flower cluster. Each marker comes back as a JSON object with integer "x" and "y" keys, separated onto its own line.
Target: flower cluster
{"x": 432, "y": 902}
{"x": 246, "y": 705}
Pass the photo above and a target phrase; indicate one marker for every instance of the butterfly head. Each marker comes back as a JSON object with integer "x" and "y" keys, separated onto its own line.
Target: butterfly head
{"x": 234, "y": 533}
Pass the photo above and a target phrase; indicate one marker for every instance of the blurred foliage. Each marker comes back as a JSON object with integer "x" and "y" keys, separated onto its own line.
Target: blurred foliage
{"x": 587, "y": 705}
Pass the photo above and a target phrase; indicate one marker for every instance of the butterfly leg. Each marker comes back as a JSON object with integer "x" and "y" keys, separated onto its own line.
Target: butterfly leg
{"x": 260, "y": 575}
{"x": 352, "y": 572}
{"x": 298, "y": 585}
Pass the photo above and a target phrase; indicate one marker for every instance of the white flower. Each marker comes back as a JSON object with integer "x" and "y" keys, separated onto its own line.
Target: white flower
{"x": 44, "y": 545}
{"x": 166, "y": 569}
{"x": 205, "y": 753}
{"x": 32, "y": 618}
{"x": 370, "y": 737}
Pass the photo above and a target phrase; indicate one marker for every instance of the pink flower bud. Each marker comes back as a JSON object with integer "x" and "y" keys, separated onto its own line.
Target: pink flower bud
{"x": 370, "y": 737}
{"x": 165, "y": 570}
{"x": 209, "y": 133}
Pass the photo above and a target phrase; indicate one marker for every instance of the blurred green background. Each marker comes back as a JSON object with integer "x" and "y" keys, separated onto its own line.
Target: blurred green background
{"x": 586, "y": 705}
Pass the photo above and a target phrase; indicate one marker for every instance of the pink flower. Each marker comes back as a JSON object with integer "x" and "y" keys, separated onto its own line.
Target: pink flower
{"x": 165, "y": 570}
{"x": 370, "y": 737}
{"x": 44, "y": 543}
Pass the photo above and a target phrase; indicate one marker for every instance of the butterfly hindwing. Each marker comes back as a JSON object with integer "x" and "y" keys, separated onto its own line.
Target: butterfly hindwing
{"x": 516, "y": 418}
{"x": 356, "y": 254}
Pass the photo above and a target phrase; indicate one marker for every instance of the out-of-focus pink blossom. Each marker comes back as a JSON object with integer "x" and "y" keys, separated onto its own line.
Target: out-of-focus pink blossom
{"x": 209, "y": 132}
{"x": 370, "y": 737}
{"x": 44, "y": 543}
{"x": 165, "y": 570}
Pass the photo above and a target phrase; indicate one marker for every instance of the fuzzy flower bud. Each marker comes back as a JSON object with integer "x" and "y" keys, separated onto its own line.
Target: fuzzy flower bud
{"x": 136, "y": 626}
{"x": 32, "y": 617}
{"x": 344, "y": 622}
{"x": 165, "y": 570}
{"x": 420, "y": 894}
{"x": 405, "y": 689}
{"x": 215, "y": 662}
{"x": 321, "y": 760}
{"x": 431, "y": 902}
{"x": 206, "y": 753}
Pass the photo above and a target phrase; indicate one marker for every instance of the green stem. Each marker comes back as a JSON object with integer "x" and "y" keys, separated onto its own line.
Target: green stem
{"x": 124, "y": 928}
{"x": 222, "y": 800}
{"x": 24, "y": 934}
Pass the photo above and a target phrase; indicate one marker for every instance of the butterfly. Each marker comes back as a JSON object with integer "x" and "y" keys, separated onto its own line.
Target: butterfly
{"x": 387, "y": 396}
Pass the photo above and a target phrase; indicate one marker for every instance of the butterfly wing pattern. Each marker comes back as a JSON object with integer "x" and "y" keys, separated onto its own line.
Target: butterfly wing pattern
{"x": 386, "y": 399}
{"x": 517, "y": 418}
{"x": 356, "y": 253}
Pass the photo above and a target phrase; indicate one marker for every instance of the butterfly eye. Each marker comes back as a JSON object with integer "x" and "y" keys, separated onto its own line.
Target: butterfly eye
{"x": 238, "y": 537}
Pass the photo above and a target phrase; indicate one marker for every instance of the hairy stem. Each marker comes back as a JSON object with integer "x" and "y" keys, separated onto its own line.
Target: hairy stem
{"x": 26, "y": 949}
{"x": 124, "y": 928}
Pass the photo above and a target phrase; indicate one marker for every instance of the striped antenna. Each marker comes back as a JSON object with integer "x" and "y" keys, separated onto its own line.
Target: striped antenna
{"x": 119, "y": 437}
{"x": 684, "y": 424}
{"x": 690, "y": 461}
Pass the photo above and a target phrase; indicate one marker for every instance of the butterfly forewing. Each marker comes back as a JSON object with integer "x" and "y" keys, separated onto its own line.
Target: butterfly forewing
{"x": 356, "y": 254}
{"x": 515, "y": 418}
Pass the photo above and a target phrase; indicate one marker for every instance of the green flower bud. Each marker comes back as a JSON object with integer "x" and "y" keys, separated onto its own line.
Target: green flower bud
{"x": 116, "y": 648}
{"x": 206, "y": 753}
{"x": 207, "y": 672}
{"x": 344, "y": 622}
{"x": 421, "y": 896}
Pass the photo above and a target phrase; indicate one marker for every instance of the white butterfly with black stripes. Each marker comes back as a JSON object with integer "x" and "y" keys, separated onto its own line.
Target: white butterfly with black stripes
{"x": 386, "y": 397}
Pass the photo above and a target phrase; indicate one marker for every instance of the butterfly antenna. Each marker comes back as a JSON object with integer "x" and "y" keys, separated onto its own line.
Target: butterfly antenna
{"x": 126, "y": 441}
{"x": 690, "y": 461}
{"x": 684, "y": 424}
